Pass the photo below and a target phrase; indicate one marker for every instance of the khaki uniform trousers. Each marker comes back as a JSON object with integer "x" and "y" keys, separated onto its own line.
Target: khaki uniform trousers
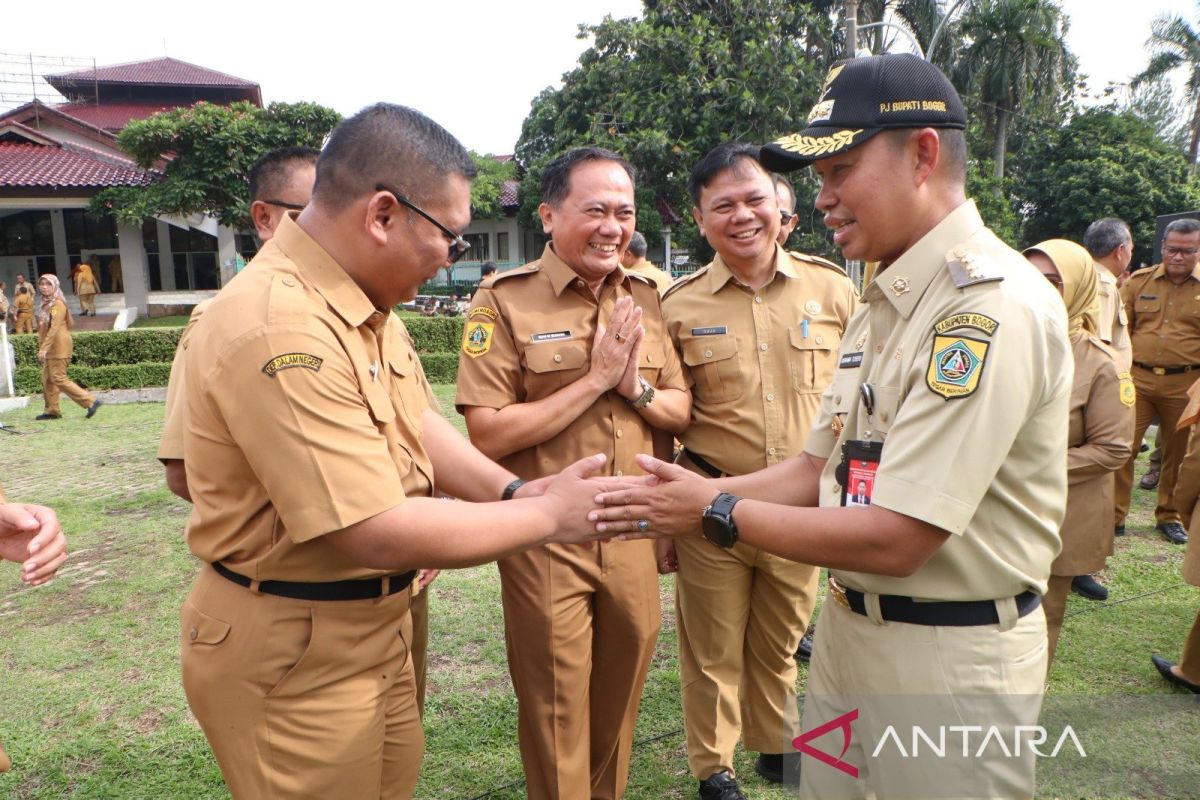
{"x": 1055, "y": 604}
{"x": 1166, "y": 396}
{"x": 55, "y": 381}
{"x": 580, "y": 623}
{"x": 87, "y": 302}
{"x": 5, "y": 762}
{"x": 740, "y": 614}
{"x": 899, "y": 674}
{"x": 299, "y": 698}
{"x": 25, "y": 322}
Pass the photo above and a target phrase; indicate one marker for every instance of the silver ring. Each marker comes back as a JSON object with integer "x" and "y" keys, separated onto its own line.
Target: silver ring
{"x": 643, "y": 525}
{"x": 618, "y": 337}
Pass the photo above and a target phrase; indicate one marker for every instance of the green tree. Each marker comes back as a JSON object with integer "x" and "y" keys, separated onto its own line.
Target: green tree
{"x": 1106, "y": 164}
{"x": 665, "y": 89}
{"x": 488, "y": 183}
{"x": 208, "y": 149}
{"x": 1174, "y": 45}
{"x": 1013, "y": 60}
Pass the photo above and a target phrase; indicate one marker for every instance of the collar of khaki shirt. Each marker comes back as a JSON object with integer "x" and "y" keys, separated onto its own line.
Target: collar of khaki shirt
{"x": 322, "y": 272}
{"x": 1160, "y": 273}
{"x": 924, "y": 260}
{"x": 720, "y": 274}
{"x": 561, "y": 275}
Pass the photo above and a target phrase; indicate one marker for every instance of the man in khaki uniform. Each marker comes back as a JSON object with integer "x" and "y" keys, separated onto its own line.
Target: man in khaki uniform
{"x": 564, "y": 356}
{"x": 758, "y": 329}
{"x": 785, "y": 196}
{"x": 943, "y": 405}
{"x": 30, "y": 536}
{"x": 1111, "y": 246}
{"x": 1163, "y": 305}
{"x": 312, "y": 503}
{"x": 634, "y": 260}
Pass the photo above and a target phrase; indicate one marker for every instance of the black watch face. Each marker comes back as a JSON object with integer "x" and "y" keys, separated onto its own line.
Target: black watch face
{"x": 717, "y": 530}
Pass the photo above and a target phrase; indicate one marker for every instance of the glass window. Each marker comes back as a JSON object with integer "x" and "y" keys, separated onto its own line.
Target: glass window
{"x": 204, "y": 267}
{"x": 43, "y": 233}
{"x": 502, "y": 246}
{"x": 479, "y": 246}
{"x": 183, "y": 281}
{"x": 155, "y": 275}
{"x": 150, "y": 235}
{"x": 76, "y": 230}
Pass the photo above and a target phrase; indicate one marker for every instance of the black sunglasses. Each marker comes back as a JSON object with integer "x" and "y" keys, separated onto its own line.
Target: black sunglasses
{"x": 458, "y": 245}
{"x": 281, "y": 204}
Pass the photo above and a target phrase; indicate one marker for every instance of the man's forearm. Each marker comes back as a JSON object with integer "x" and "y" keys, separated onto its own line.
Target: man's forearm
{"x": 459, "y": 468}
{"x": 794, "y": 482}
{"x": 670, "y": 410}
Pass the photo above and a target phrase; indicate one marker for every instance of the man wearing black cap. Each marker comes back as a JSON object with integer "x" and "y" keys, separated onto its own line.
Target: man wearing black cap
{"x": 948, "y": 404}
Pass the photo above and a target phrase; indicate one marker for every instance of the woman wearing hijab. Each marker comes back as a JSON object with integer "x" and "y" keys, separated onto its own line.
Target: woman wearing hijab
{"x": 1100, "y": 428}
{"x": 86, "y": 287}
{"x": 55, "y": 349}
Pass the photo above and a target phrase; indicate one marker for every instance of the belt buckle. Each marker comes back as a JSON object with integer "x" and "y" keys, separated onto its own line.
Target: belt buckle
{"x": 839, "y": 592}
{"x": 1159, "y": 370}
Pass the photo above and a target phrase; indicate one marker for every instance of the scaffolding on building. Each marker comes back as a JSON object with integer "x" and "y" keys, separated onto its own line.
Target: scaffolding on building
{"x": 22, "y": 79}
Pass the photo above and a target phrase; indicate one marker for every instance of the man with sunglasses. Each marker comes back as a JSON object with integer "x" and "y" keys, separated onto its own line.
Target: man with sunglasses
{"x": 312, "y": 451}
{"x": 562, "y": 357}
{"x": 785, "y": 195}
{"x": 1163, "y": 307}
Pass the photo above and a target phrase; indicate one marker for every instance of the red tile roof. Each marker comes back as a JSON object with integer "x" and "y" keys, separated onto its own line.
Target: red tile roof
{"x": 157, "y": 71}
{"x": 112, "y": 116}
{"x": 508, "y": 194}
{"x": 34, "y": 165}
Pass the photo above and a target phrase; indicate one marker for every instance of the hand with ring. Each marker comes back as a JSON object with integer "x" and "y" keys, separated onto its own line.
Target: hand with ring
{"x": 615, "y": 345}
{"x": 670, "y": 505}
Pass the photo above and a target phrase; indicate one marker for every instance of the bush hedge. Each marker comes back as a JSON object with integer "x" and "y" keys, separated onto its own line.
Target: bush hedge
{"x": 141, "y": 357}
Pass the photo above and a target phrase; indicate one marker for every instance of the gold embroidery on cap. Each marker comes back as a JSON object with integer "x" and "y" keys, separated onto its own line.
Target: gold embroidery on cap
{"x": 821, "y": 111}
{"x": 831, "y": 77}
{"x": 817, "y": 145}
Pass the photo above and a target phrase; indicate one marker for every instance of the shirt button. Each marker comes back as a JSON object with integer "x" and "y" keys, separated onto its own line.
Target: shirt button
{"x": 649, "y": 359}
{"x": 883, "y": 416}
{"x": 193, "y": 633}
{"x": 820, "y": 340}
{"x": 620, "y": 434}
{"x": 770, "y": 451}
{"x": 762, "y": 346}
{"x": 878, "y": 348}
{"x": 758, "y": 298}
{"x": 619, "y": 473}
{"x": 557, "y": 358}
{"x": 708, "y": 353}
{"x": 770, "y": 398}
{"x": 837, "y": 398}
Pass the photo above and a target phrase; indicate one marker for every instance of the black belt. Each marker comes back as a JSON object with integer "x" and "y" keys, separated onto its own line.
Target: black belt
{"x": 333, "y": 590}
{"x": 704, "y": 464}
{"x": 1166, "y": 370}
{"x": 895, "y": 608}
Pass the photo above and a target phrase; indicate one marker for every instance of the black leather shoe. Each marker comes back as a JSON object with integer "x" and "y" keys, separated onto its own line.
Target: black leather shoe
{"x": 779, "y": 767}
{"x": 1089, "y": 587}
{"x": 1150, "y": 479}
{"x": 1164, "y": 668}
{"x": 1119, "y": 530}
{"x": 1173, "y": 531}
{"x": 721, "y": 786}
{"x": 804, "y": 651}
{"x": 48, "y": 416}
{"x": 93, "y": 408}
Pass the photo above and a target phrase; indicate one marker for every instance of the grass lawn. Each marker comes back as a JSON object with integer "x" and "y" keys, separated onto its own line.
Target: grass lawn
{"x": 92, "y": 704}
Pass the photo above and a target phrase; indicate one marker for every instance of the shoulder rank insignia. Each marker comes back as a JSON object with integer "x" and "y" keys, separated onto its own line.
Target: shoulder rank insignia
{"x": 956, "y": 366}
{"x": 291, "y": 360}
{"x": 1128, "y": 393}
{"x": 967, "y": 268}
{"x": 477, "y": 338}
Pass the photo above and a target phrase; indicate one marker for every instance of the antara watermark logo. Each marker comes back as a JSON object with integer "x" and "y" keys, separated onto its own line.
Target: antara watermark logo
{"x": 943, "y": 741}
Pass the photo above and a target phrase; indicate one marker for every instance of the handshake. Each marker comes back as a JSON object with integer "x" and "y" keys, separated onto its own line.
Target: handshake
{"x": 666, "y": 502}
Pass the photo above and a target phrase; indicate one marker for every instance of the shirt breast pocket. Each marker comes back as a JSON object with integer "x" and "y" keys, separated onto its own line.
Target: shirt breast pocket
{"x": 553, "y": 365}
{"x": 812, "y": 358}
{"x": 713, "y": 362}
{"x": 402, "y": 371}
{"x": 1147, "y": 306}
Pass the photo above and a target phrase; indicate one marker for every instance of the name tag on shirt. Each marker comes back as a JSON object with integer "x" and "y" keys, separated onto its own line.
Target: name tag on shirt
{"x": 1147, "y": 297}
{"x": 550, "y": 336}
{"x": 850, "y": 361}
{"x": 712, "y": 330}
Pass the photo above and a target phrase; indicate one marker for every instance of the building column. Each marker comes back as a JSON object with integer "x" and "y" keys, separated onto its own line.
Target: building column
{"x": 166, "y": 258}
{"x": 62, "y": 258}
{"x": 226, "y": 253}
{"x": 133, "y": 268}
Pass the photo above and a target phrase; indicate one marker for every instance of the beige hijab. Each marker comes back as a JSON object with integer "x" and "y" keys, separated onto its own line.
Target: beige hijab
{"x": 1080, "y": 284}
{"x": 43, "y": 311}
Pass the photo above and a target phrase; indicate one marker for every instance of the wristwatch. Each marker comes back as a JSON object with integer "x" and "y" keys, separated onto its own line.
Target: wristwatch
{"x": 717, "y": 520}
{"x": 643, "y": 400}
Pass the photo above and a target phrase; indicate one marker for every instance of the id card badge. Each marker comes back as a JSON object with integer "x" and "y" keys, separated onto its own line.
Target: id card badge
{"x": 856, "y": 473}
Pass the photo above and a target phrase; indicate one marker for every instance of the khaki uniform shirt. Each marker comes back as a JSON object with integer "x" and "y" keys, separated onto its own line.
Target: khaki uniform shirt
{"x": 964, "y": 347}
{"x": 1113, "y": 322}
{"x": 1164, "y": 319}
{"x": 56, "y": 340}
{"x": 303, "y": 415}
{"x": 757, "y": 361}
{"x": 1099, "y": 442}
{"x": 3, "y": 305}
{"x": 529, "y": 333}
{"x": 23, "y": 304}
{"x": 170, "y": 445}
{"x": 660, "y": 278}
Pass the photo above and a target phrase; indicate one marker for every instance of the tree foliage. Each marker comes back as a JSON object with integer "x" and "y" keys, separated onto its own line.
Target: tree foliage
{"x": 211, "y": 148}
{"x": 1106, "y": 164}
{"x": 488, "y": 183}
{"x": 1175, "y": 45}
{"x": 665, "y": 89}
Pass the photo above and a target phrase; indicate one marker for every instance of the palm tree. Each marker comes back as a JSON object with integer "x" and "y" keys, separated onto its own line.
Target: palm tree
{"x": 1014, "y": 56}
{"x": 1173, "y": 43}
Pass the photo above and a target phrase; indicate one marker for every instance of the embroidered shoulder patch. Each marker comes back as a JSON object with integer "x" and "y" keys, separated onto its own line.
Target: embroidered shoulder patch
{"x": 491, "y": 314}
{"x": 1128, "y": 393}
{"x": 956, "y": 366}
{"x": 979, "y": 322}
{"x": 477, "y": 338}
{"x": 290, "y": 360}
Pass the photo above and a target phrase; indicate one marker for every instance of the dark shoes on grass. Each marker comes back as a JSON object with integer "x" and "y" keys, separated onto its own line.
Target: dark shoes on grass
{"x": 1173, "y": 531}
{"x": 93, "y": 408}
{"x": 1151, "y": 478}
{"x": 805, "y": 650}
{"x": 779, "y": 767}
{"x": 48, "y": 416}
{"x": 1089, "y": 587}
{"x": 1164, "y": 668}
{"x": 721, "y": 786}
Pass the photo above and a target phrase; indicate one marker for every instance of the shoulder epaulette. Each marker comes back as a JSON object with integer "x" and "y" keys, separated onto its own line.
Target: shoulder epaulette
{"x": 684, "y": 281}
{"x": 969, "y": 266}
{"x": 811, "y": 259}
{"x": 491, "y": 280}
{"x": 643, "y": 278}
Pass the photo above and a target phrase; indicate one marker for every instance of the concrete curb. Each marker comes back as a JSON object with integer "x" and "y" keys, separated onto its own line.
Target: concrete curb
{"x": 116, "y": 397}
